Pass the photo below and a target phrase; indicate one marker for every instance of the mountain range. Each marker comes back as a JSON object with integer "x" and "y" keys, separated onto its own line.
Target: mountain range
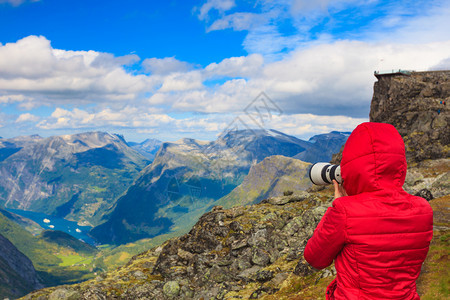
{"x": 147, "y": 148}
{"x": 77, "y": 177}
{"x": 128, "y": 190}
{"x": 187, "y": 177}
{"x": 95, "y": 176}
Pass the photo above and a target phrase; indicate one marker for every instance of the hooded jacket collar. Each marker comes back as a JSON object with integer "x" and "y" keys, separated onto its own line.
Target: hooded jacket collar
{"x": 373, "y": 159}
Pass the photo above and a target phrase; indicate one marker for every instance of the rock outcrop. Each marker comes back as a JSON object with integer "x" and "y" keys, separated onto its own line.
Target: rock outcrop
{"x": 429, "y": 179}
{"x": 228, "y": 248}
{"x": 417, "y": 104}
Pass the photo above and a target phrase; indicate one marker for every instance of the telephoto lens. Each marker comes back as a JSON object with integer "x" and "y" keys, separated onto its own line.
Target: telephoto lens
{"x": 324, "y": 173}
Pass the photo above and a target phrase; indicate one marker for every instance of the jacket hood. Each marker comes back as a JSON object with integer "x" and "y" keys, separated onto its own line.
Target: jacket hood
{"x": 373, "y": 159}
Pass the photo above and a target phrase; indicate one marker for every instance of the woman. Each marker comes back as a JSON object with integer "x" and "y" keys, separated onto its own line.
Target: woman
{"x": 377, "y": 233}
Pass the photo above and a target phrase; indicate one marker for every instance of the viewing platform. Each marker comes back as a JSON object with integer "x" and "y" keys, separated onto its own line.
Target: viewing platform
{"x": 382, "y": 73}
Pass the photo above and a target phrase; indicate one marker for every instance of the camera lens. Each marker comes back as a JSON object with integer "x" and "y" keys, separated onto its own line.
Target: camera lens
{"x": 324, "y": 173}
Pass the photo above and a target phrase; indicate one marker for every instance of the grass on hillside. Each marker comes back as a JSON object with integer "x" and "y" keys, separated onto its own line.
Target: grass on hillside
{"x": 74, "y": 260}
{"x": 434, "y": 281}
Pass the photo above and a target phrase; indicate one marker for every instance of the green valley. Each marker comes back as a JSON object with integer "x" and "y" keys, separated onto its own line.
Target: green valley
{"x": 50, "y": 252}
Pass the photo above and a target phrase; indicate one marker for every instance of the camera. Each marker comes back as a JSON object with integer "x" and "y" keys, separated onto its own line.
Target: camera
{"x": 324, "y": 173}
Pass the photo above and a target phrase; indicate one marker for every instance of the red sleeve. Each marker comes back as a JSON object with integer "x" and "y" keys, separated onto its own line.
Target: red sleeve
{"x": 328, "y": 238}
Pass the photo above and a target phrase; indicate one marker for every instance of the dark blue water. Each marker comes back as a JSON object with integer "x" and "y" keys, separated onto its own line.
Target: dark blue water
{"x": 57, "y": 223}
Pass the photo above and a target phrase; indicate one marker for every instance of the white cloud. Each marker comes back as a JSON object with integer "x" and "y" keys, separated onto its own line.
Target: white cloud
{"x": 21, "y": 101}
{"x": 27, "y": 117}
{"x": 338, "y": 78}
{"x": 16, "y": 2}
{"x": 430, "y": 25}
{"x": 237, "y": 21}
{"x": 305, "y": 7}
{"x": 12, "y": 98}
{"x": 30, "y": 57}
{"x": 182, "y": 82}
{"x": 218, "y": 5}
{"x": 127, "y": 117}
{"x": 109, "y": 60}
{"x": 231, "y": 96}
{"x": 321, "y": 88}
{"x": 164, "y": 66}
{"x": 311, "y": 21}
{"x": 315, "y": 86}
{"x": 442, "y": 65}
{"x": 133, "y": 120}
{"x": 31, "y": 67}
{"x": 159, "y": 99}
{"x": 268, "y": 41}
{"x": 307, "y": 125}
{"x": 243, "y": 66}
{"x": 325, "y": 79}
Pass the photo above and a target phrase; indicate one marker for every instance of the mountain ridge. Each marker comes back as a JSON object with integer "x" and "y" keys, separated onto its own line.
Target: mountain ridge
{"x": 274, "y": 176}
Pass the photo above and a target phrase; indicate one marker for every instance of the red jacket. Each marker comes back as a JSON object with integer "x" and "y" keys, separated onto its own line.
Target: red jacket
{"x": 378, "y": 235}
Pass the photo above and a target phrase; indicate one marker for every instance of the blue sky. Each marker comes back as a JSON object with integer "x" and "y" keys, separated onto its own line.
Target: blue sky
{"x": 173, "y": 69}
{"x": 146, "y": 28}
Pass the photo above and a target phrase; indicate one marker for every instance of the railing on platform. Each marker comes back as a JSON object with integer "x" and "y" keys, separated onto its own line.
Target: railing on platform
{"x": 391, "y": 72}
{"x": 383, "y": 73}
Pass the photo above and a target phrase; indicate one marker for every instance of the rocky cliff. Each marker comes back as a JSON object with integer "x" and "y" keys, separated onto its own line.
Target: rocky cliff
{"x": 417, "y": 104}
{"x": 17, "y": 274}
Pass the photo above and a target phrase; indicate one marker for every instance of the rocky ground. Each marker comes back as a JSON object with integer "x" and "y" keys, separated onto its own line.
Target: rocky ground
{"x": 256, "y": 252}
{"x": 227, "y": 254}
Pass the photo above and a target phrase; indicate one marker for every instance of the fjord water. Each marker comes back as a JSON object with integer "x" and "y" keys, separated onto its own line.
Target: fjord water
{"x": 60, "y": 224}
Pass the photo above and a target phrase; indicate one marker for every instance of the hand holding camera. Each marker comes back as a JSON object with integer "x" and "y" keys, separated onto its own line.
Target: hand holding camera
{"x": 339, "y": 190}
